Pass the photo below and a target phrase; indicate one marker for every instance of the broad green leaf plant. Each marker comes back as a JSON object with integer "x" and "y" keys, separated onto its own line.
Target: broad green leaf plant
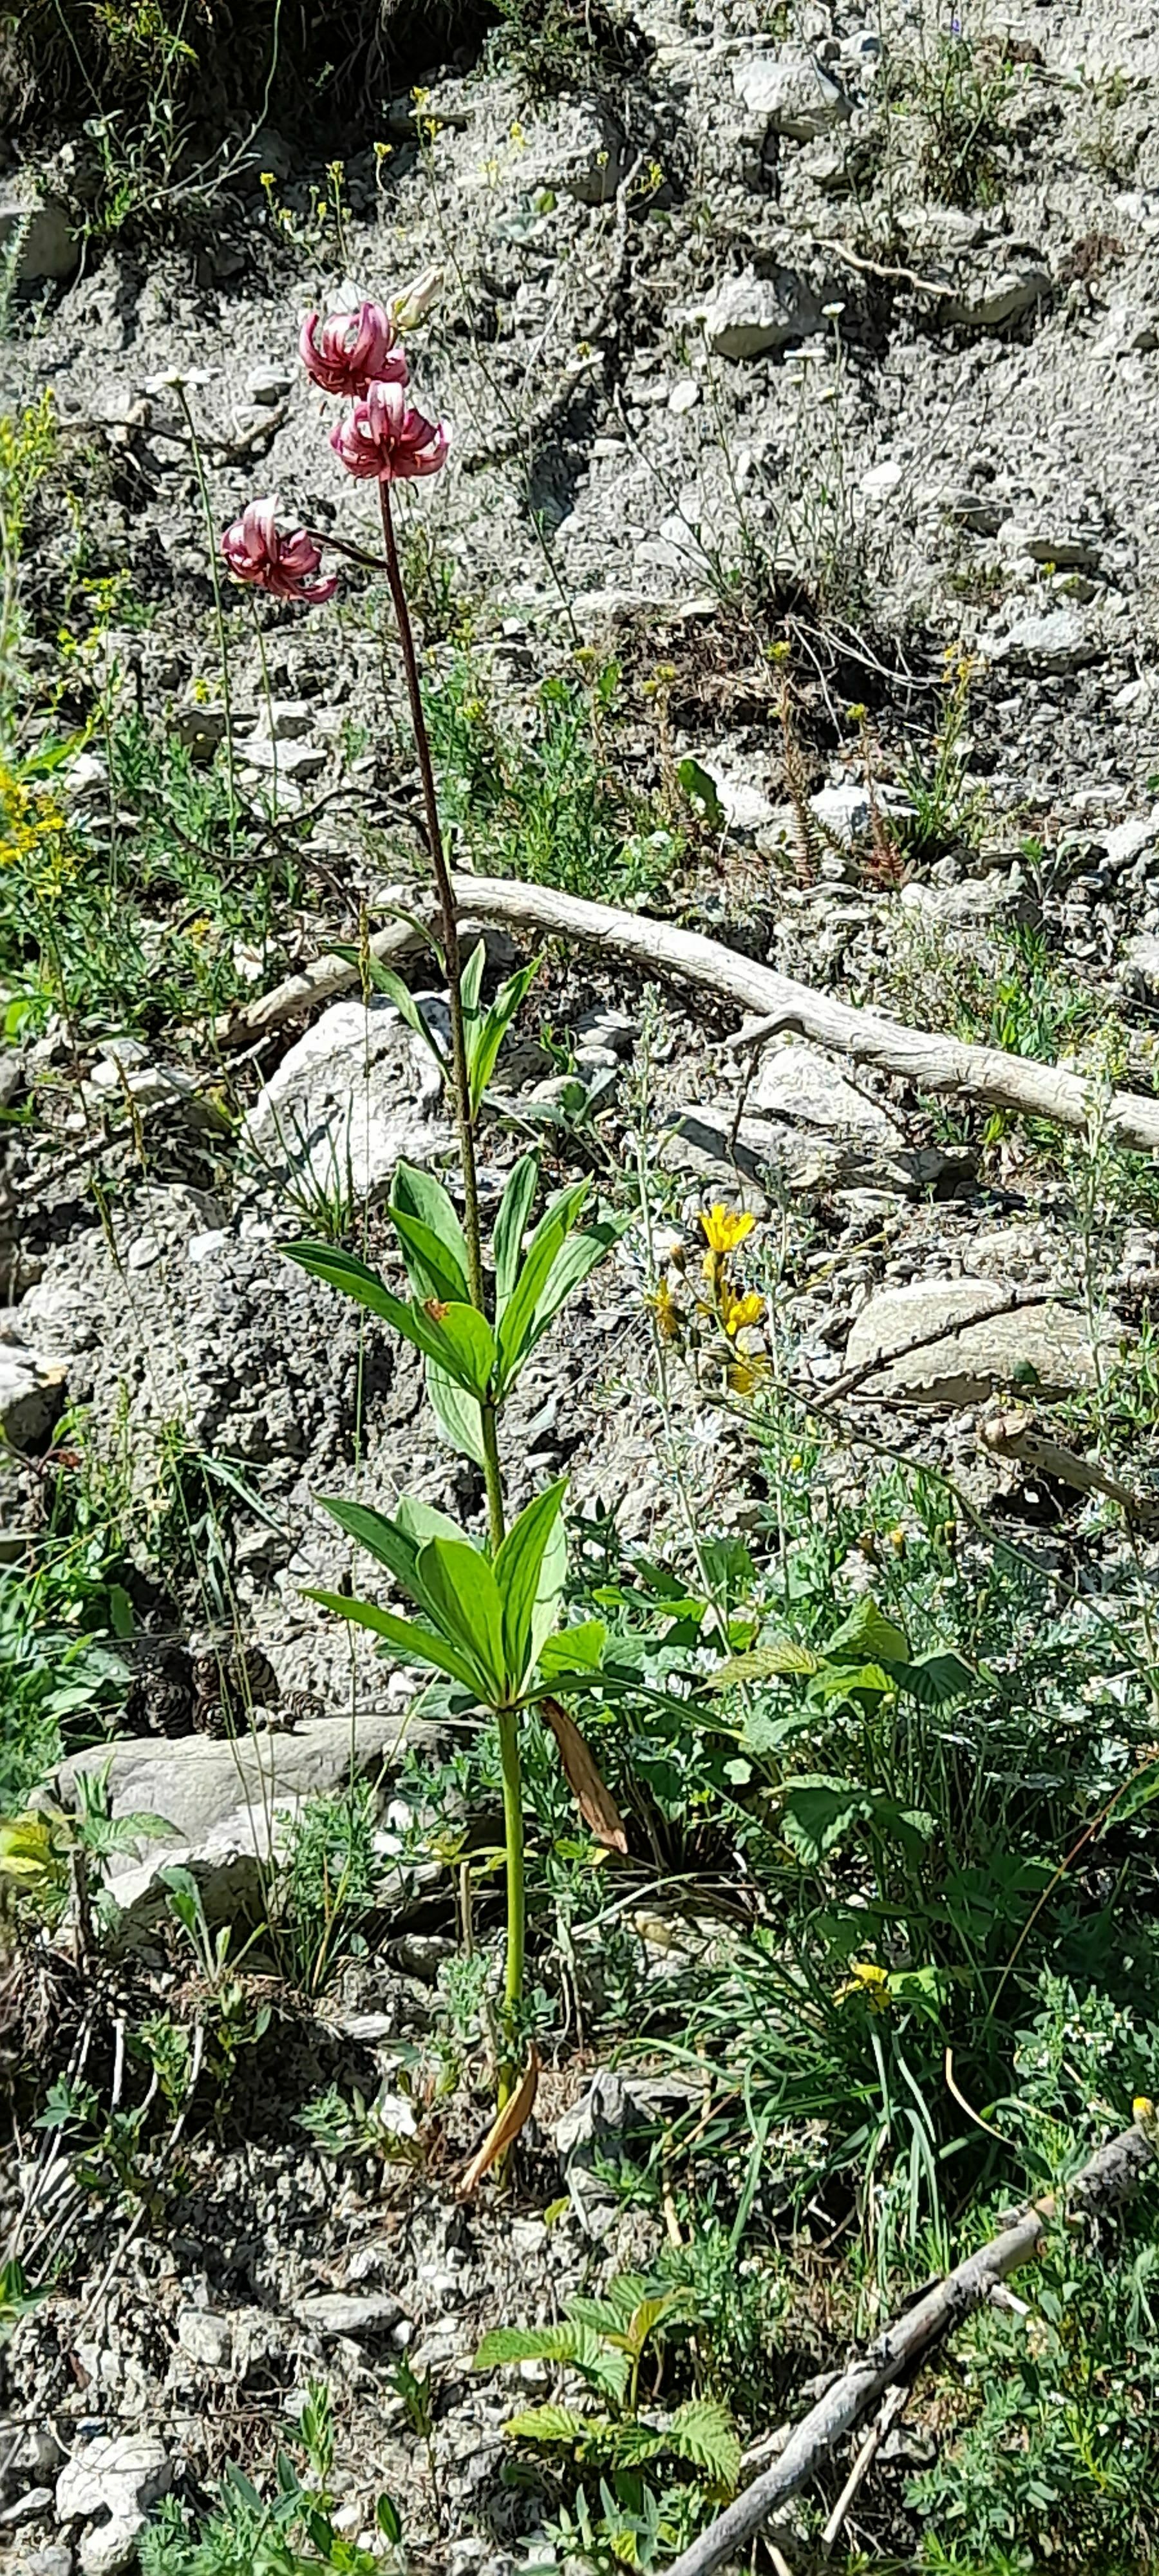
{"x": 487, "y": 1612}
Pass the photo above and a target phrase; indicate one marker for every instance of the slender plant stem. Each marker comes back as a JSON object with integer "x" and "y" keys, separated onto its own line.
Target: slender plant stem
{"x": 508, "y": 1723}
{"x": 218, "y": 605}
{"x": 507, "y": 1720}
{"x": 450, "y": 924}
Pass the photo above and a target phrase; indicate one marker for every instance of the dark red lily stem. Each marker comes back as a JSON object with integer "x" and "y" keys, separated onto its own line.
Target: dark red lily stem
{"x": 466, "y": 1124}
{"x": 446, "y": 904}
{"x": 506, "y": 1718}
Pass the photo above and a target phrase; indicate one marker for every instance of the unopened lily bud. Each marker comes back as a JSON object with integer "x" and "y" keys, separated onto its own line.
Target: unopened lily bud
{"x": 413, "y": 302}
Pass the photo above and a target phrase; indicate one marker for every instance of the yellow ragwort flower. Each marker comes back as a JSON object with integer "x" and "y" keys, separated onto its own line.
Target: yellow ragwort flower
{"x": 737, "y": 1313}
{"x": 725, "y": 1227}
{"x": 667, "y": 1313}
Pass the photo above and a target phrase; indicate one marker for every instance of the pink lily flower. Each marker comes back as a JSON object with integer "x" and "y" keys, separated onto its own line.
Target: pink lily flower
{"x": 385, "y": 437}
{"x": 352, "y": 350}
{"x": 256, "y": 552}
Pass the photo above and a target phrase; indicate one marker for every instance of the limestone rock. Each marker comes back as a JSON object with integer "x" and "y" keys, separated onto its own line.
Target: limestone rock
{"x": 40, "y": 226}
{"x": 206, "y": 2338}
{"x": 1127, "y": 841}
{"x": 1057, "y": 640}
{"x": 992, "y": 293}
{"x": 1141, "y": 964}
{"x": 355, "y": 1097}
{"x": 338, "y": 2312}
{"x": 580, "y": 150}
{"x": 748, "y": 315}
{"x": 974, "y": 1346}
{"x": 998, "y": 897}
{"x": 792, "y": 91}
{"x": 118, "y": 2477}
{"x": 32, "y": 1390}
{"x": 799, "y": 1083}
{"x": 221, "y": 1800}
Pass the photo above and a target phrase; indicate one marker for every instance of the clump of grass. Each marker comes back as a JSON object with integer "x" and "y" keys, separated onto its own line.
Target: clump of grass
{"x": 957, "y": 90}
{"x": 565, "y": 44}
{"x": 548, "y": 804}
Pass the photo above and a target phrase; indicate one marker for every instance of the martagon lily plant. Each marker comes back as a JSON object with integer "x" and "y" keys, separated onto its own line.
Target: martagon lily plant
{"x": 487, "y": 1614}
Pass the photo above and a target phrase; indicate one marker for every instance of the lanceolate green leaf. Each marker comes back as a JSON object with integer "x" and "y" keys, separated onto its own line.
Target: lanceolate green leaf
{"x": 465, "y": 1601}
{"x": 518, "y": 1568}
{"x": 383, "y": 1538}
{"x": 414, "y": 1645}
{"x": 576, "y": 1259}
{"x": 421, "y": 1521}
{"x": 457, "y": 1413}
{"x": 465, "y": 1348}
{"x": 486, "y": 1036}
{"x": 433, "y": 1243}
{"x": 458, "y": 1339}
{"x": 552, "y": 1230}
{"x": 573, "y": 1651}
{"x": 385, "y": 981}
{"x": 514, "y": 1210}
{"x": 471, "y": 980}
{"x": 549, "y": 1593}
{"x": 396, "y": 1542}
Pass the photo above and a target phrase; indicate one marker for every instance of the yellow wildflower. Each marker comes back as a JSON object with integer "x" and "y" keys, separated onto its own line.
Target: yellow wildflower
{"x": 725, "y": 1227}
{"x": 737, "y": 1313}
{"x": 667, "y": 1312}
{"x": 869, "y": 1983}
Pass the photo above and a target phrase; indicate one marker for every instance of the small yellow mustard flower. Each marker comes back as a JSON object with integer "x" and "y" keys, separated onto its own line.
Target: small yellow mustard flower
{"x": 744, "y": 1376}
{"x": 667, "y": 1312}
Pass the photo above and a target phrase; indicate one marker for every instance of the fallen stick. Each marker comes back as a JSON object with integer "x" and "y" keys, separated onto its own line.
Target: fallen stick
{"x": 1013, "y": 1435}
{"x": 931, "y": 1062}
{"x": 1112, "y": 2174}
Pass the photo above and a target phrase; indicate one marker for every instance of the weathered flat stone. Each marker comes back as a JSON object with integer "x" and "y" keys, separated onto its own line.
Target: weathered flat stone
{"x": 223, "y": 1801}
{"x": 32, "y": 1390}
{"x": 748, "y": 315}
{"x": 800, "y": 1083}
{"x": 356, "y": 1096}
{"x": 974, "y": 1347}
{"x": 40, "y": 224}
{"x": 792, "y": 92}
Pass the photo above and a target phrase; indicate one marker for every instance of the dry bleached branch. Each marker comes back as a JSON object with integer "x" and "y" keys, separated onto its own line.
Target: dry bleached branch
{"x": 930, "y": 1062}
{"x": 1111, "y": 2175}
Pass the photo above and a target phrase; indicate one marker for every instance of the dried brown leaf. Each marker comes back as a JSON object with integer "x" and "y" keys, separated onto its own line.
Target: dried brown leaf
{"x": 595, "y": 1802}
{"x": 504, "y": 2128}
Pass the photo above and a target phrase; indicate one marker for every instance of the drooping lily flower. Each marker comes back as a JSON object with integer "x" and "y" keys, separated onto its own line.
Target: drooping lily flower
{"x": 384, "y": 437}
{"x": 255, "y": 551}
{"x": 349, "y": 351}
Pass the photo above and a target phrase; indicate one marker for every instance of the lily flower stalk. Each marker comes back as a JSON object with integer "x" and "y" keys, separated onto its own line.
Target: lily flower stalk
{"x": 384, "y": 438}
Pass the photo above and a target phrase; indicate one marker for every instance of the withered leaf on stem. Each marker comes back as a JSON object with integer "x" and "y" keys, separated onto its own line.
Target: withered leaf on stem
{"x": 505, "y": 2127}
{"x": 595, "y": 1801}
